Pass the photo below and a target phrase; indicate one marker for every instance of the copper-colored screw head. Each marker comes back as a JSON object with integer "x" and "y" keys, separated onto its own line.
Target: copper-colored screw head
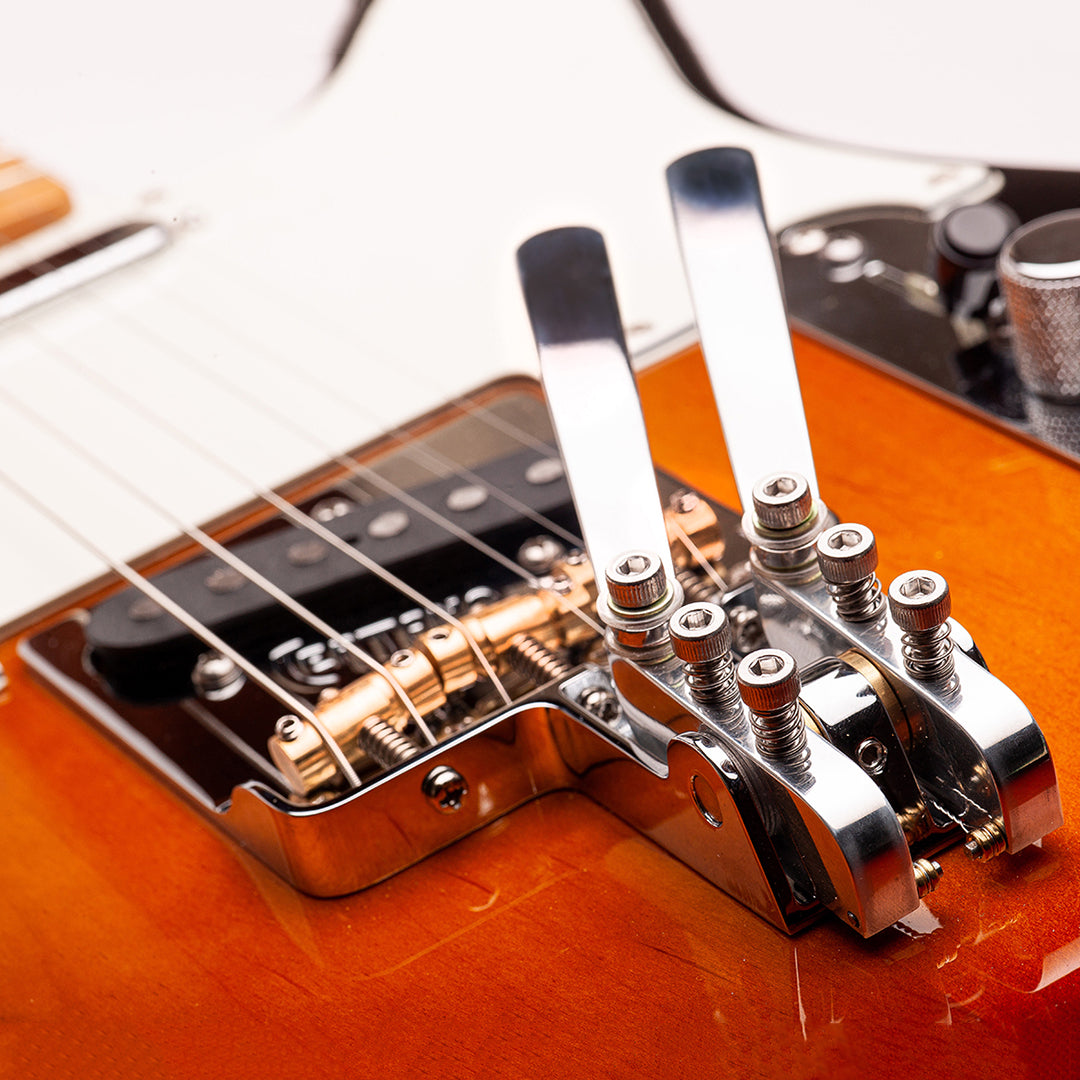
{"x": 847, "y": 554}
{"x": 700, "y": 633}
{"x": 782, "y": 501}
{"x": 919, "y": 600}
{"x": 636, "y": 580}
{"x": 768, "y": 680}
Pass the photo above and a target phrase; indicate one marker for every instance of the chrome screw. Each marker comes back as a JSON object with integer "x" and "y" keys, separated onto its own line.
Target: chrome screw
{"x": 701, "y": 637}
{"x": 920, "y": 605}
{"x": 848, "y": 557}
{"x": 445, "y": 789}
{"x": 769, "y": 684}
{"x": 540, "y": 553}
{"x": 216, "y": 677}
{"x": 927, "y": 875}
{"x": 601, "y": 702}
{"x": 636, "y": 580}
{"x": 782, "y": 501}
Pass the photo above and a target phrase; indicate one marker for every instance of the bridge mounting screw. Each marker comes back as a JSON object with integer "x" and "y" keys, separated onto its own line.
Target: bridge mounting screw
{"x": 636, "y": 580}
{"x": 782, "y": 501}
{"x": 769, "y": 683}
{"x": 701, "y": 638}
{"x": 445, "y": 789}
{"x": 848, "y": 557}
{"x": 920, "y": 605}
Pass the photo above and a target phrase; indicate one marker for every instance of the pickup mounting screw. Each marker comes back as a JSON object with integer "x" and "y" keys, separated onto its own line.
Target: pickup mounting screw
{"x": 540, "y": 553}
{"x": 216, "y": 677}
{"x": 701, "y": 637}
{"x": 782, "y": 501}
{"x": 769, "y": 684}
{"x": 921, "y": 605}
{"x": 445, "y": 788}
{"x": 848, "y": 558}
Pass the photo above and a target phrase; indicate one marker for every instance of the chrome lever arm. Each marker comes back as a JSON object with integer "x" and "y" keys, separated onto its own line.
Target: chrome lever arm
{"x": 585, "y": 367}
{"x": 732, "y": 271}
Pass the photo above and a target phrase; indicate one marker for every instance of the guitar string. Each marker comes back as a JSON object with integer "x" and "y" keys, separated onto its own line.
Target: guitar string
{"x": 265, "y": 494}
{"x": 193, "y": 625}
{"x": 415, "y": 451}
{"x": 278, "y": 296}
{"x": 355, "y": 468}
{"x": 208, "y": 543}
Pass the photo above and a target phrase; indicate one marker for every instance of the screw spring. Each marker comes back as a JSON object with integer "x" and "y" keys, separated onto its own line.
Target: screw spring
{"x": 921, "y": 605}
{"x": 848, "y": 557}
{"x": 701, "y": 638}
{"x": 986, "y": 842}
{"x": 534, "y": 660}
{"x": 384, "y": 743}
{"x": 697, "y": 589}
{"x": 927, "y": 875}
{"x": 769, "y": 683}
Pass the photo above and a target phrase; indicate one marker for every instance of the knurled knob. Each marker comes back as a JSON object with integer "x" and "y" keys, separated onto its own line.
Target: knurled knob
{"x": 1039, "y": 269}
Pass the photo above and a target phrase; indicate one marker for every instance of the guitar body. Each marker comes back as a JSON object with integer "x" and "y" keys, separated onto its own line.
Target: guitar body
{"x": 138, "y": 941}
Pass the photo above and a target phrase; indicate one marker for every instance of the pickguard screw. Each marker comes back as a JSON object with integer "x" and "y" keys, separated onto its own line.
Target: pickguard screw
{"x": 769, "y": 683}
{"x": 986, "y": 842}
{"x": 782, "y": 501}
{"x": 848, "y": 557}
{"x": 927, "y": 875}
{"x": 701, "y": 638}
{"x": 445, "y": 789}
{"x": 920, "y": 605}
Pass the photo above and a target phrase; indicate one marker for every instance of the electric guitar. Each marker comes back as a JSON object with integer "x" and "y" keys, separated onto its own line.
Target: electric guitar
{"x": 553, "y": 938}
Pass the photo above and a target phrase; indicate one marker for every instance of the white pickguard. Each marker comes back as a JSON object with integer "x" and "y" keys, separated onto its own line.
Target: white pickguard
{"x": 371, "y": 241}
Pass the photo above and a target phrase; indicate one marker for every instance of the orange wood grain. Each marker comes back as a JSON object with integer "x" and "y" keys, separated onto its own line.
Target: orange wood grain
{"x": 137, "y": 941}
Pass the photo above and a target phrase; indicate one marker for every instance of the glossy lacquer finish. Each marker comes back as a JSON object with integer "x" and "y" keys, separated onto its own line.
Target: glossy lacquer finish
{"x": 137, "y": 941}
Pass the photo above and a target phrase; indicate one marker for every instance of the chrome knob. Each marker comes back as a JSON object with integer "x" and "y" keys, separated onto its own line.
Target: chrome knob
{"x": 1039, "y": 269}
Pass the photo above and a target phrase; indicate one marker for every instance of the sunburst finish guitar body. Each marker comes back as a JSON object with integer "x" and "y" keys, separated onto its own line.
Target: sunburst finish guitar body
{"x": 551, "y": 937}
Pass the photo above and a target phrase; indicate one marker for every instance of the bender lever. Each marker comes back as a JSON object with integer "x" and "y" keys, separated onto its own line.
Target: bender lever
{"x": 585, "y": 367}
{"x": 732, "y": 271}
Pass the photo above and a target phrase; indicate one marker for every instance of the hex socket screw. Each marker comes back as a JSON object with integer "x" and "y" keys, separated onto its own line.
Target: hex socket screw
{"x": 920, "y": 605}
{"x": 848, "y": 557}
{"x": 782, "y": 501}
{"x": 636, "y": 580}
{"x": 701, "y": 638}
{"x": 769, "y": 683}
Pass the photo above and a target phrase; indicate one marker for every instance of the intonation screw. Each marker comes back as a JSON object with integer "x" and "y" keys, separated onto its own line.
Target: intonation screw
{"x": 848, "y": 557}
{"x": 986, "y": 842}
{"x": 701, "y": 637}
{"x": 636, "y": 580}
{"x": 782, "y": 501}
{"x": 384, "y": 743}
{"x": 920, "y": 605}
{"x": 769, "y": 684}
{"x": 927, "y": 875}
{"x": 534, "y": 660}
